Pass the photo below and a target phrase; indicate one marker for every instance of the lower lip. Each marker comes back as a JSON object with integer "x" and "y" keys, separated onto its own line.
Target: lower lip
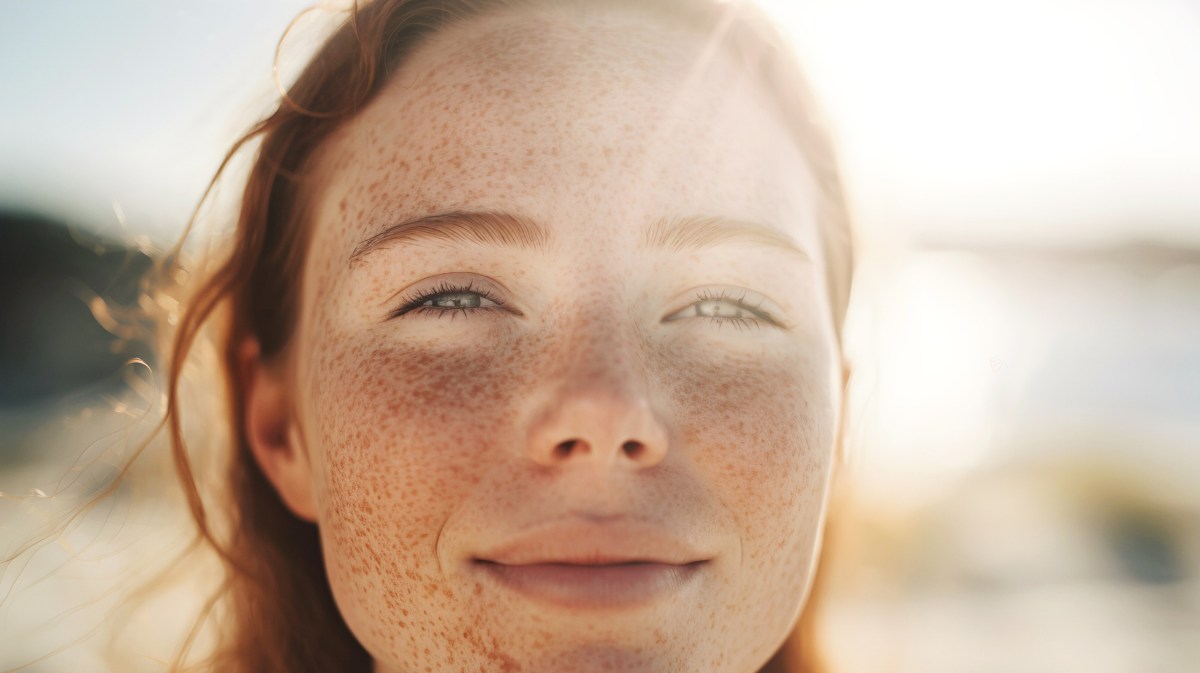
{"x": 594, "y": 586}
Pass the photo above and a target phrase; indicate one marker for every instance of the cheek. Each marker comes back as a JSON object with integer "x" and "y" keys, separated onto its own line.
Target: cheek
{"x": 761, "y": 424}
{"x": 760, "y": 430}
{"x": 406, "y": 434}
{"x": 405, "y": 430}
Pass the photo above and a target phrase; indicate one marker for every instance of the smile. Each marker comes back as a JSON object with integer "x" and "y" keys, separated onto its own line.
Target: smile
{"x": 593, "y": 586}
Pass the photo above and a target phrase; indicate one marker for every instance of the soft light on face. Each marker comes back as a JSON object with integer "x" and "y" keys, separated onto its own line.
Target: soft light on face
{"x": 565, "y": 305}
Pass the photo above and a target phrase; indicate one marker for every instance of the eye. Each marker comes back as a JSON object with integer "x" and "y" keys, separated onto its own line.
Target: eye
{"x": 727, "y": 307}
{"x": 448, "y": 298}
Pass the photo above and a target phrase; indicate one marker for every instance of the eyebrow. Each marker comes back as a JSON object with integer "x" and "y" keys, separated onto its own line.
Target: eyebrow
{"x": 486, "y": 227}
{"x": 500, "y": 229}
{"x": 699, "y": 232}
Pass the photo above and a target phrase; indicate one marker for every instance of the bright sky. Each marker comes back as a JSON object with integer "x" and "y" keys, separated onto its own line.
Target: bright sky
{"x": 1026, "y": 121}
{"x": 133, "y": 102}
{"x": 1039, "y": 121}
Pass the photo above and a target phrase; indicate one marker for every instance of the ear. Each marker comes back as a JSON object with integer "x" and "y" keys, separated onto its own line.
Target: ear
{"x": 271, "y": 431}
{"x": 843, "y": 445}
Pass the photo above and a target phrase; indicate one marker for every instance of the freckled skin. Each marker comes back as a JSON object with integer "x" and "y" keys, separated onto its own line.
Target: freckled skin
{"x": 424, "y": 430}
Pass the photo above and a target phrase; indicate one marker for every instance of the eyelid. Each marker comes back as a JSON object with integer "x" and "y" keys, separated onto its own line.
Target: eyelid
{"x": 755, "y": 302}
{"x": 490, "y": 288}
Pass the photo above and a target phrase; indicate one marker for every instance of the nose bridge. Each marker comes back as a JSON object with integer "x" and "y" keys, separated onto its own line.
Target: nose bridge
{"x": 602, "y": 357}
{"x": 596, "y": 404}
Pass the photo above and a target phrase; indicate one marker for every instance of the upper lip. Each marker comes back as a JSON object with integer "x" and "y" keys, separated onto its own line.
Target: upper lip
{"x": 592, "y": 543}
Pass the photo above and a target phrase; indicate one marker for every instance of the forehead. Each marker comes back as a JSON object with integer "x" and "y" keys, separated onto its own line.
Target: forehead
{"x": 592, "y": 120}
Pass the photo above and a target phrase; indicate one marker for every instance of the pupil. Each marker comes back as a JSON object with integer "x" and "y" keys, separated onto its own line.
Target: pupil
{"x": 720, "y": 308}
{"x": 711, "y": 308}
{"x": 459, "y": 300}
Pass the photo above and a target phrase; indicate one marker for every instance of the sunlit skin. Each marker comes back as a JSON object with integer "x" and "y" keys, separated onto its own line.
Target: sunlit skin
{"x": 611, "y": 375}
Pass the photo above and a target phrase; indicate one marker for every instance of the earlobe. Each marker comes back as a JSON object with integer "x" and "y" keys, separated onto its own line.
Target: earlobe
{"x": 271, "y": 431}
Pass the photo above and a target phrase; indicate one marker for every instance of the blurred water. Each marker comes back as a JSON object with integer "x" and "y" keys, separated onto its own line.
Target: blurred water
{"x": 1059, "y": 528}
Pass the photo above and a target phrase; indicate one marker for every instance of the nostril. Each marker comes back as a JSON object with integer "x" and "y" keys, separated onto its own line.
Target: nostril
{"x": 631, "y": 448}
{"x": 564, "y": 449}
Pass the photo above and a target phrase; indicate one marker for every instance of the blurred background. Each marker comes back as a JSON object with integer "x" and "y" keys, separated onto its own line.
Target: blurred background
{"x": 1024, "y": 491}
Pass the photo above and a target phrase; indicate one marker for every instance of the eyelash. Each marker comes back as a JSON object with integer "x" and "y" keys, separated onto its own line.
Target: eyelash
{"x": 739, "y": 301}
{"x": 414, "y": 304}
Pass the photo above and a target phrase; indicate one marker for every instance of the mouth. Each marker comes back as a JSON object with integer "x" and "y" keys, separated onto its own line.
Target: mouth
{"x": 593, "y": 586}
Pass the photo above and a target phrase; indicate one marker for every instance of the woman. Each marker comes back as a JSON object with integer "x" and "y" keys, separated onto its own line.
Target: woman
{"x": 532, "y": 332}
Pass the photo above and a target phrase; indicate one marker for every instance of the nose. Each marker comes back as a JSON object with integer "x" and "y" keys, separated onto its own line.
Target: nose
{"x": 605, "y": 425}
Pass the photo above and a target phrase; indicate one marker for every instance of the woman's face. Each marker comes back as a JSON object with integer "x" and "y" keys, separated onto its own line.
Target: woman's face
{"x": 565, "y": 371}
